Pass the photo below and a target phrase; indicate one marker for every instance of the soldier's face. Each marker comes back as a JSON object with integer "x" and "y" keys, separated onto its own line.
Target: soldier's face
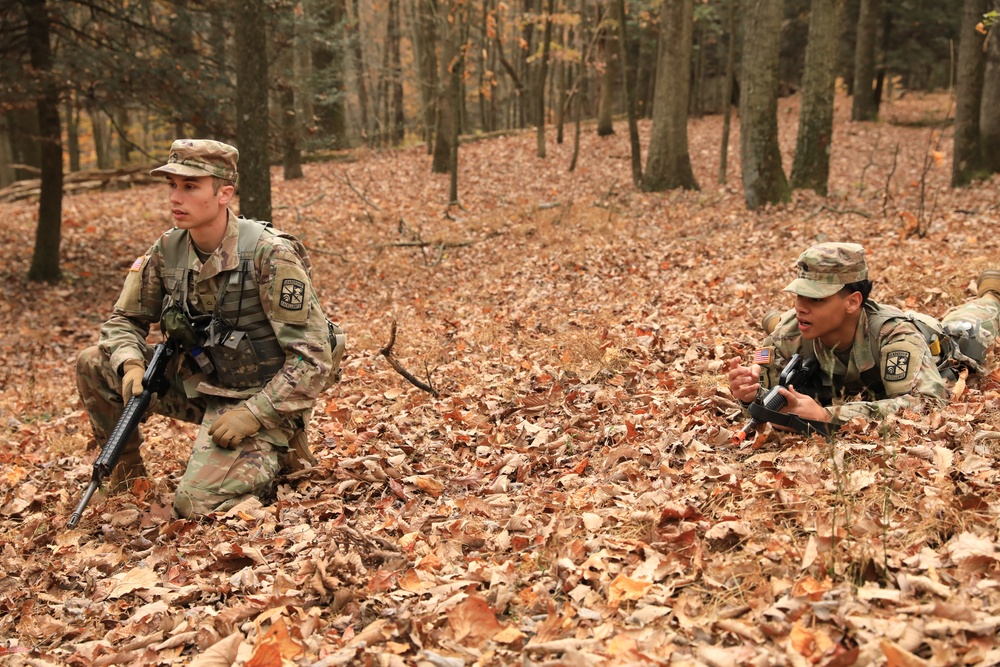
{"x": 830, "y": 320}
{"x": 194, "y": 203}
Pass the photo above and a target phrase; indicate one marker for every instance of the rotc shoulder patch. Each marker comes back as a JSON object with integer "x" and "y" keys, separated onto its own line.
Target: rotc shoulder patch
{"x": 900, "y": 366}
{"x": 290, "y": 294}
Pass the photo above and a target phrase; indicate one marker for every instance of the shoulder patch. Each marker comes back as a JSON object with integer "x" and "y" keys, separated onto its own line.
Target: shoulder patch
{"x": 130, "y": 299}
{"x": 900, "y": 366}
{"x": 290, "y": 294}
{"x": 139, "y": 261}
{"x": 763, "y": 356}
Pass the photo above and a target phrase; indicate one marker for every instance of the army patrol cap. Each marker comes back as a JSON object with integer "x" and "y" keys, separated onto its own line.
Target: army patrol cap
{"x": 200, "y": 157}
{"x": 825, "y": 268}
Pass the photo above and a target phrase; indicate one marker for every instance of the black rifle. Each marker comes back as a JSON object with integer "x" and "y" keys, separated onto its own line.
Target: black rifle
{"x": 799, "y": 373}
{"x": 154, "y": 381}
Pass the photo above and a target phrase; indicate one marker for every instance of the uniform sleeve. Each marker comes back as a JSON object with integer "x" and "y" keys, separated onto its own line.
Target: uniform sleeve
{"x": 291, "y": 305}
{"x": 123, "y": 336}
{"x": 909, "y": 375}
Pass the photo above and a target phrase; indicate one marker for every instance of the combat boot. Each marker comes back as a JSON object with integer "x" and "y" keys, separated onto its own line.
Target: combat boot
{"x": 988, "y": 282}
{"x": 129, "y": 468}
{"x": 771, "y": 320}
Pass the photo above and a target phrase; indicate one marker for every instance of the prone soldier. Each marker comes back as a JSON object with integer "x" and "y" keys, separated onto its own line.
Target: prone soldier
{"x": 873, "y": 360}
{"x": 255, "y": 347}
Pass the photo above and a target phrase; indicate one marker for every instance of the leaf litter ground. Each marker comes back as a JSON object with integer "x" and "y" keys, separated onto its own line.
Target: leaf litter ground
{"x": 570, "y": 496}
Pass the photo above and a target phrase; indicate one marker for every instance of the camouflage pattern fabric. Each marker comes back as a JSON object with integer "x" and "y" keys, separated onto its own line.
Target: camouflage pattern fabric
{"x": 979, "y": 320}
{"x": 920, "y": 384}
{"x": 216, "y": 478}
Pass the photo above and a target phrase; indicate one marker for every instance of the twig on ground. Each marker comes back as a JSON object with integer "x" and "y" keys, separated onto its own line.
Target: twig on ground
{"x": 347, "y": 181}
{"x": 387, "y": 353}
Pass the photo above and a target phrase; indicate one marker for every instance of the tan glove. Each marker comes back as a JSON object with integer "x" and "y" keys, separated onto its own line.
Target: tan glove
{"x": 132, "y": 379}
{"x": 234, "y": 425}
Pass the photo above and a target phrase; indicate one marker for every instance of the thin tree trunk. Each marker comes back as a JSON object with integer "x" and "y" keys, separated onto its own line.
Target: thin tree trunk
{"x": 398, "y": 121}
{"x": 989, "y": 119}
{"x": 99, "y": 130}
{"x": 447, "y": 116}
{"x": 727, "y": 94}
{"x": 72, "y": 132}
{"x": 48, "y": 236}
{"x": 669, "y": 163}
{"x": 124, "y": 145}
{"x": 543, "y": 70}
{"x": 967, "y": 158}
{"x": 811, "y": 168}
{"x": 863, "y": 107}
{"x": 328, "y": 72}
{"x": 605, "y": 111}
{"x": 630, "y": 91}
{"x": 763, "y": 176}
{"x": 361, "y": 80}
{"x": 561, "y": 87}
{"x": 459, "y": 11}
{"x": 251, "y": 115}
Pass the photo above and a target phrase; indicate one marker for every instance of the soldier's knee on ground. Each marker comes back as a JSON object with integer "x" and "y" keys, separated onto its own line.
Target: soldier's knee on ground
{"x": 217, "y": 479}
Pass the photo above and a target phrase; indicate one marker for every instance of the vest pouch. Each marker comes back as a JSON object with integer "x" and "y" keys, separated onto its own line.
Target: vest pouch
{"x": 338, "y": 343}
{"x": 235, "y": 360}
{"x": 176, "y": 325}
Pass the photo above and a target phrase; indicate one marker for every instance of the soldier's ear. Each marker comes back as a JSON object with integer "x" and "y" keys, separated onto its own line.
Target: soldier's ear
{"x": 853, "y": 302}
{"x": 226, "y": 193}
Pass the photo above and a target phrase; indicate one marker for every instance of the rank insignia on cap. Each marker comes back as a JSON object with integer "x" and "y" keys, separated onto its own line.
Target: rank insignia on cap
{"x": 762, "y": 356}
{"x": 137, "y": 264}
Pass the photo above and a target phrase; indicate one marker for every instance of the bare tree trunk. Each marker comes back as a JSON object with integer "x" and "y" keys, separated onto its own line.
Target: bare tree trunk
{"x": 427, "y": 66}
{"x": 561, "y": 85}
{"x": 811, "y": 168}
{"x": 669, "y": 164}
{"x": 967, "y": 158}
{"x": 630, "y": 91}
{"x": 251, "y": 114}
{"x": 6, "y": 153}
{"x": 763, "y": 176}
{"x": 72, "y": 132}
{"x": 863, "y": 106}
{"x": 291, "y": 151}
{"x": 48, "y": 236}
{"x": 328, "y": 71}
{"x": 447, "y": 116}
{"x": 22, "y": 122}
{"x": 606, "y": 101}
{"x": 360, "y": 77}
{"x": 124, "y": 145}
{"x": 398, "y": 120}
{"x": 460, "y": 16}
{"x": 727, "y": 94}
{"x": 989, "y": 119}
{"x": 102, "y": 137}
{"x": 543, "y": 70}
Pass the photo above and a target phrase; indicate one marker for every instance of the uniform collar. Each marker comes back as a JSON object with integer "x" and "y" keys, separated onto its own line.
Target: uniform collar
{"x": 225, "y": 258}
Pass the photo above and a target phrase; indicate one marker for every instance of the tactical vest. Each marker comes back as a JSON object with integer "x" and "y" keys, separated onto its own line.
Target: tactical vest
{"x": 239, "y": 339}
{"x": 940, "y": 345}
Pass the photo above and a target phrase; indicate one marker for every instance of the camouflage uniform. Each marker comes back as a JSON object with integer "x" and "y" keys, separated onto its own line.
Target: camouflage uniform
{"x": 883, "y": 371}
{"x": 216, "y": 478}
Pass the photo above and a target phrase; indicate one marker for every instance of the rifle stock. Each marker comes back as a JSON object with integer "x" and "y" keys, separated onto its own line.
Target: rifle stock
{"x": 153, "y": 382}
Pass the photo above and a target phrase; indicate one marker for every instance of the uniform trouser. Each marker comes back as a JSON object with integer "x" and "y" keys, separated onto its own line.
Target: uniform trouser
{"x": 216, "y": 478}
{"x": 978, "y": 321}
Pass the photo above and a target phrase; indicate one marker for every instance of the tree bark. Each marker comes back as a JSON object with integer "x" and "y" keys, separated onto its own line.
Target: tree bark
{"x": 354, "y": 30}
{"x": 72, "y": 132}
{"x": 630, "y": 92}
{"x": 328, "y": 71}
{"x": 251, "y": 114}
{"x": 447, "y": 117}
{"x": 727, "y": 94}
{"x": 989, "y": 118}
{"x": 48, "y": 236}
{"x": 863, "y": 104}
{"x": 606, "y": 101}
{"x": 543, "y": 72}
{"x": 669, "y": 164}
{"x": 763, "y": 176}
{"x": 427, "y": 66}
{"x": 398, "y": 120}
{"x": 811, "y": 168}
{"x": 967, "y": 162}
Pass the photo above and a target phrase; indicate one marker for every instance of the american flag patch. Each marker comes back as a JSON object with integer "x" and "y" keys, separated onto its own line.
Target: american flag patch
{"x": 137, "y": 264}
{"x": 762, "y": 356}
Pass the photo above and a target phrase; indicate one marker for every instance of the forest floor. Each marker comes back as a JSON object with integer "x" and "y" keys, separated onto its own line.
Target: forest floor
{"x": 571, "y": 496}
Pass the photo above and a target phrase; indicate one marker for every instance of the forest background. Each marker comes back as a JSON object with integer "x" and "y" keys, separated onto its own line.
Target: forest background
{"x": 569, "y": 287}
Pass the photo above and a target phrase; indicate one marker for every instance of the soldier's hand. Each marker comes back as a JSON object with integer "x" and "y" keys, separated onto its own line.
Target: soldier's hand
{"x": 234, "y": 425}
{"x": 744, "y": 381}
{"x": 803, "y": 406}
{"x": 132, "y": 379}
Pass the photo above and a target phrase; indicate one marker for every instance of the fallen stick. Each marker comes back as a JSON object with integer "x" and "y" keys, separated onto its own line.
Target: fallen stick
{"x": 387, "y": 353}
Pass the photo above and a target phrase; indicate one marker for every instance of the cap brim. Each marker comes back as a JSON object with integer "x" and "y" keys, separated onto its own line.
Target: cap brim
{"x": 812, "y": 289}
{"x": 179, "y": 170}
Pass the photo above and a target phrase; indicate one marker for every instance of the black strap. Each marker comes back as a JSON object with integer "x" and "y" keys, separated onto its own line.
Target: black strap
{"x": 792, "y": 421}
